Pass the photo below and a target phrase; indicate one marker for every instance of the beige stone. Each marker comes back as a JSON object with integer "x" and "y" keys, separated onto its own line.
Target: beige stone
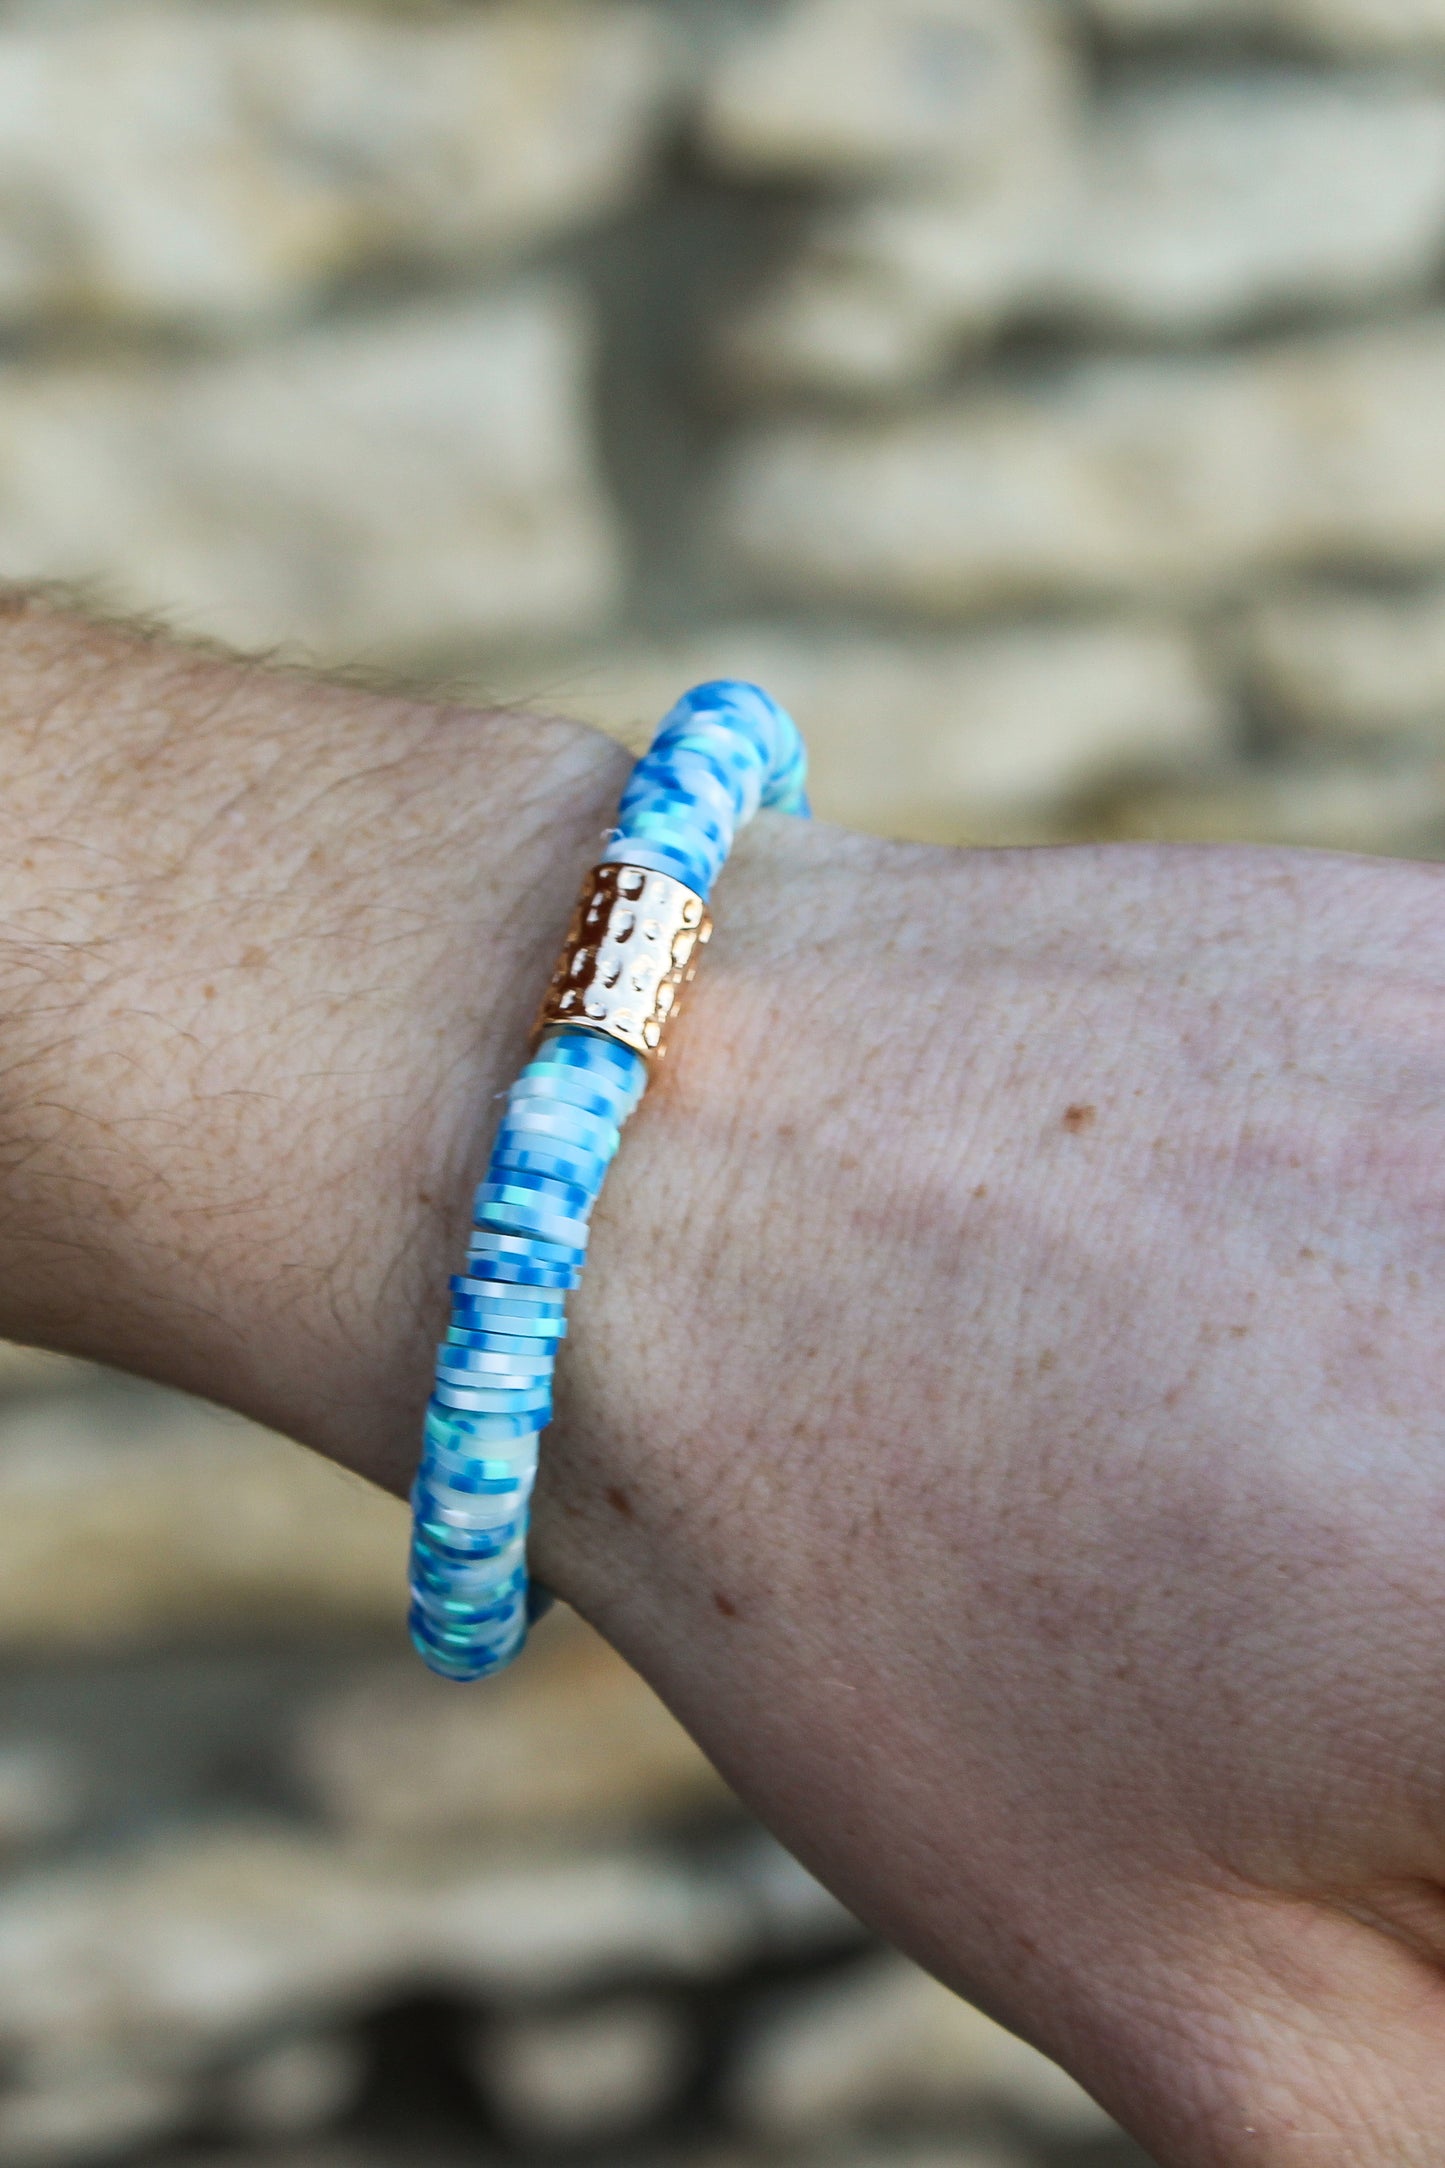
{"x": 920, "y": 2153}
{"x": 1191, "y": 204}
{"x": 884, "y": 295}
{"x": 571, "y": 1738}
{"x": 196, "y": 161}
{"x": 1394, "y": 807}
{"x": 973, "y": 102}
{"x": 1205, "y": 201}
{"x": 76, "y": 2115}
{"x": 888, "y": 2041}
{"x": 863, "y": 89}
{"x": 289, "y": 2088}
{"x": 169, "y": 1959}
{"x": 42, "y": 1793}
{"x": 35, "y": 1369}
{"x": 319, "y": 2152}
{"x": 590, "y": 2075}
{"x": 933, "y": 737}
{"x": 1368, "y": 26}
{"x": 1343, "y": 665}
{"x": 143, "y": 1516}
{"x": 362, "y": 491}
{"x": 1130, "y": 476}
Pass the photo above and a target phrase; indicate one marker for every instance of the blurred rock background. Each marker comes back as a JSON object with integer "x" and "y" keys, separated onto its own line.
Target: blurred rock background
{"x": 1047, "y": 397}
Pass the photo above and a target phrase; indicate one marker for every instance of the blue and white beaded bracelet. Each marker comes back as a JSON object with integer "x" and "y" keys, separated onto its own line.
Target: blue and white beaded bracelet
{"x": 724, "y": 750}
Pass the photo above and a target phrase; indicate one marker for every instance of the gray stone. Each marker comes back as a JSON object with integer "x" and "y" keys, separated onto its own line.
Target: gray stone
{"x": 948, "y": 738}
{"x": 976, "y": 156}
{"x": 1342, "y": 665}
{"x": 587, "y": 2075}
{"x": 1192, "y": 203}
{"x": 889, "y": 2042}
{"x": 291, "y": 2087}
{"x": 884, "y": 296}
{"x": 401, "y": 1755}
{"x": 920, "y": 2153}
{"x": 1206, "y": 200}
{"x": 1382, "y": 807}
{"x": 69, "y": 2115}
{"x": 194, "y": 1952}
{"x": 850, "y": 90}
{"x": 1144, "y": 477}
{"x": 35, "y": 1369}
{"x": 1344, "y": 26}
{"x": 195, "y": 162}
{"x": 42, "y": 1793}
{"x": 367, "y": 490}
{"x": 127, "y": 1520}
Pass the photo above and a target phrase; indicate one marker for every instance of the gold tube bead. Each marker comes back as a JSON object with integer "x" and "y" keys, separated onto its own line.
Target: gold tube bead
{"x": 630, "y": 951}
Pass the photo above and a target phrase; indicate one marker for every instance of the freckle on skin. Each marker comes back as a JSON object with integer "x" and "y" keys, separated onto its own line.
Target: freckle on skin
{"x": 1047, "y": 1361}
{"x": 209, "y": 992}
{"x": 982, "y": 1190}
{"x": 1078, "y": 1119}
{"x": 725, "y": 1605}
{"x": 252, "y": 959}
{"x": 619, "y": 1501}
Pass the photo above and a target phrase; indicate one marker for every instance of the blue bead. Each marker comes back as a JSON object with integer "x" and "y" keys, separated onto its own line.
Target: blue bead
{"x": 486, "y": 1272}
{"x": 470, "y": 1317}
{"x": 453, "y": 1394}
{"x": 542, "y": 1117}
{"x": 724, "y": 749}
{"x": 456, "y": 1361}
{"x": 539, "y": 1341}
{"x": 462, "y": 1431}
{"x": 503, "y": 1247}
{"x": 571, "y": 1087}
{"x": 554, "y": 1229}
{"x": 582, "y": 1169}
{"x": 569, "y": 1199}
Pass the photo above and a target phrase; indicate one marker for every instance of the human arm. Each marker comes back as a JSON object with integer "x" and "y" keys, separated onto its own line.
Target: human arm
{"x": 1003, "y": 1413}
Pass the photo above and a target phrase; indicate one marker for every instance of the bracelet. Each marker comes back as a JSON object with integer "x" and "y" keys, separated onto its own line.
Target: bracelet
{"x": 725, "y": 749}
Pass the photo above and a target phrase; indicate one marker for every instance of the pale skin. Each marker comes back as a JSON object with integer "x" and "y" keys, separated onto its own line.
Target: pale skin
{"x": 1005, "y": 1415}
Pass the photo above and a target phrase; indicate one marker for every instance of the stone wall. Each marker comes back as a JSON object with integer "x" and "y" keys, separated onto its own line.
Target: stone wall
{"x": 1044, "y": 396}
{"x": 1047, "y": 400}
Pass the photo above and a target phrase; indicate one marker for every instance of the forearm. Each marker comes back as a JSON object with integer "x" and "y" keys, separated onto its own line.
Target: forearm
{"x": 268, "y": 949}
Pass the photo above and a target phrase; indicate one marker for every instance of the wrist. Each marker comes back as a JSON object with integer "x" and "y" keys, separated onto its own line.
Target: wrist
{"x": 270, "y": 947}
{"x": 669, "y": 1375}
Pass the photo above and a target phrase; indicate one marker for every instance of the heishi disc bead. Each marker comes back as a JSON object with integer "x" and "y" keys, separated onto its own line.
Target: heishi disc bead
{"x": 466, "y": 1513}
{"x": 470, "y": 1317}
{"x": 534, "y": 1220}
{"x": 724, "y": 749}
{"x": 527, "y": 1249}
{"x": 568, "y": 1125}
{"x": 580, "y": 1169}
{"x": 457, "y": 1432}
{"x": 571, "y": 1088}
{"x": 516, "y": 1185}
{"x": 527, "y": 1338}
{"x": 478, "y": 1401}
{"x": 488, "y": 1270}
{"x": 444, "y": 1549}
{"x": 485, "y": 1363}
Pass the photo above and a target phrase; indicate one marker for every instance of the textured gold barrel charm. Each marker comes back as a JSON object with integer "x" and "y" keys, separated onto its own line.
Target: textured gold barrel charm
{"x": 630, "y": 950}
